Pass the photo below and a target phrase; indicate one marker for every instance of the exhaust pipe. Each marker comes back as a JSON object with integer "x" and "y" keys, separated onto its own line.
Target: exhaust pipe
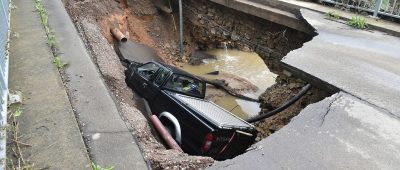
{"x": 164, "y": 133}
{"x": 118, "y": 35}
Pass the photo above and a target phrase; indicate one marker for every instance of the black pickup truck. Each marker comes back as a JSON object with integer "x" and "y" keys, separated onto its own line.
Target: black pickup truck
{"x": 199, "y": 126}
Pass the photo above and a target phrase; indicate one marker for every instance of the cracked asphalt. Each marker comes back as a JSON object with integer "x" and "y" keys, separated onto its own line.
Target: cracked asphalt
{"x": 328, "y": 109}
{"x": 352, "y": 134}
{"x": 362, "y": 63}
{"x": 356, "y": 128}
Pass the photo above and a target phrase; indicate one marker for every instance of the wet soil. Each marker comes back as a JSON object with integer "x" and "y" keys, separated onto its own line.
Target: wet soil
{"x": 276, "y": 95}
{"x": 142, "y": 22}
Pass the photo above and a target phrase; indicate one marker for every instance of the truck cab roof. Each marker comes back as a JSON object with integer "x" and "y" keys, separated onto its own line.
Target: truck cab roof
{"x": 180, "y": 81}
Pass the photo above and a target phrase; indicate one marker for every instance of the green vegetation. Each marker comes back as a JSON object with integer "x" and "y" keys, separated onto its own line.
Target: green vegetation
{"x": 17, "y": 112}
{"x": 385, "y": 4}
{"x": 98, "y": 167}
{"x": 59, "y": 64}
{"x": 43, "y": 17}
{"x": 357, "y": 22}
{"x": 14, "y": 145}
{"x": 332, "y": 15}
{"x": 51, "y": 40}
{"x": 51, "y": 37}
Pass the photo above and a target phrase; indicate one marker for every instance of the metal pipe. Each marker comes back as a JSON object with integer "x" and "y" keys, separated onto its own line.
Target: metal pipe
{"x": 118, "y": 35}
{"x": 181, "y": 29}
{"x": 378, "y": 5}
{"x": 282, "y": 107}
{"x": 394, "y": 6}
{"x": 164, "y": 133}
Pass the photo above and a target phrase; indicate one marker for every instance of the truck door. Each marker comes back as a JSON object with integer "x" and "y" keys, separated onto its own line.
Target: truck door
{"x": 143, "y": 80}
{"x": 162, "y": 74}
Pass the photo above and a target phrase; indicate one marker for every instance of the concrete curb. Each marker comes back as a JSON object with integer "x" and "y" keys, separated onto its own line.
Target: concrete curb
{"x": 47, "y": 122}
{"x": 109, "y": 140}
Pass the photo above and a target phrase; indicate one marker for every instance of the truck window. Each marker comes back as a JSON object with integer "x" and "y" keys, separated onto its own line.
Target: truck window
{"x": 162, "y": 75}
{"x": 148, "y": 70}
{"x": 185, "y": 85}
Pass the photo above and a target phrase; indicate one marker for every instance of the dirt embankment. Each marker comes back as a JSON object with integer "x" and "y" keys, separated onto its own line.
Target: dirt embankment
{"x": 206, "y": 26}
{"x": 275, "y": 96}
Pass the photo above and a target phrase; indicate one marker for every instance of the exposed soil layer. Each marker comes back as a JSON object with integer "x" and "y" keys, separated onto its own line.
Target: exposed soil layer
{"x": 276, "y": 95}
{"x": 206, "y": 26}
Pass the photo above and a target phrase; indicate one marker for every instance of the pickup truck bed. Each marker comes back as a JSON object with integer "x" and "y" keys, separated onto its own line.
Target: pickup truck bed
{"x": 213, "y": 113}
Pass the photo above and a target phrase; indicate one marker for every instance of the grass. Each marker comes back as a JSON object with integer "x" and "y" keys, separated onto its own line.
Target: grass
{"x": 332, "y": 15}
{"x": 51, "y": 37}
{"x": 43, "y": 16}
{"x": 59, "y": 64}
{"x": 51, "y": 40}
{"x": 15, "y": 145}
{"x": 98, "y": 167}
{"x": 358, "y": 22}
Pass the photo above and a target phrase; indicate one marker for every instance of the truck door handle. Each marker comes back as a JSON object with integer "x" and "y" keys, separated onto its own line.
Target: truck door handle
{"x": 144, "y": 85}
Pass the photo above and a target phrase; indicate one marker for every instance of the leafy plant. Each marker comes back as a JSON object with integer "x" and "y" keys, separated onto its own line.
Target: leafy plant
{"x": 332, "y": 15}
{"x": 98, "y": 167}
{"x": 59, "y": 64}
{"x": 51, "y": 37}
{"x": 42, "y": 13}
{"x": 14, "y": 143}
{"x": 51, "y": 40}
{"x": 17, "y": 112}
{"x": 357, "y": 22}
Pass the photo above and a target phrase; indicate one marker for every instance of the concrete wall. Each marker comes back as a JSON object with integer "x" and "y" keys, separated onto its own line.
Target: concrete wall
{"x": 274, "y": 11}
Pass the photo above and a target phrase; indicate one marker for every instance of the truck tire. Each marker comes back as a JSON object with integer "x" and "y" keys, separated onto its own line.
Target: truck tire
{"x": 170, "y": 130}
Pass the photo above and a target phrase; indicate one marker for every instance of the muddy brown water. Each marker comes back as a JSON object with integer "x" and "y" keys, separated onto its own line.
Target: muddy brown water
{"x": 244, "y": 64}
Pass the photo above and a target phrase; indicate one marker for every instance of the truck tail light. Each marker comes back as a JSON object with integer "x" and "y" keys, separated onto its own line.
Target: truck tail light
{"x": 208, "y": 140}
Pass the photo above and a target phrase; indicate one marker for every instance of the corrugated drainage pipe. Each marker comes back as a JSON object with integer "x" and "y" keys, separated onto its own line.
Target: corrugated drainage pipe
{"x": 282, "y": 107}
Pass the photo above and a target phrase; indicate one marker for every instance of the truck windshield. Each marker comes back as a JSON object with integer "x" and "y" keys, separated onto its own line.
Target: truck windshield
{"x": 185, "y": 85}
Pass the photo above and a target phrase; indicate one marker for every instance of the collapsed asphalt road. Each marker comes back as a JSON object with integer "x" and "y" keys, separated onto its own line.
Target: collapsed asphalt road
{"x": 340, "y": 132}
{"x": 356, "y": 128}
